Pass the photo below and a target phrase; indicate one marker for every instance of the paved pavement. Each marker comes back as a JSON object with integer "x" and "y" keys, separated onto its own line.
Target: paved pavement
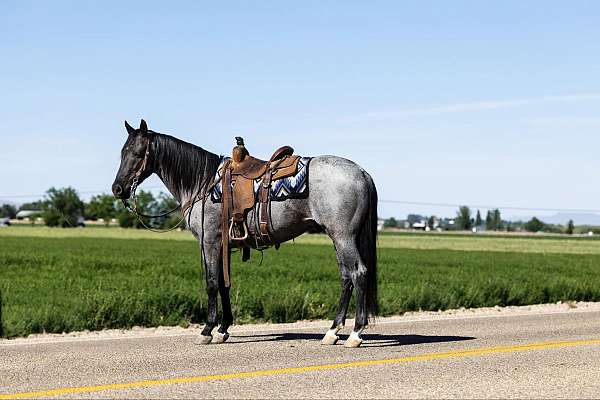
{"x": 519, "y": 355}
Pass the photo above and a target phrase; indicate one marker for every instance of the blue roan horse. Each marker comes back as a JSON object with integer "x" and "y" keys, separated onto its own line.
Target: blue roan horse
{"x": 341, "y": 201}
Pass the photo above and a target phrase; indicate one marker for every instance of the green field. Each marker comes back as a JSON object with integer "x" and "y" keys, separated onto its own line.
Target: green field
{"x": 55, "y": 280}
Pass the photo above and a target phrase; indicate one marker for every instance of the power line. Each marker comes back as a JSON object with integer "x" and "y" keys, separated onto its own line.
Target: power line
{"x": 430, "y": 204}
{"x": 404, "y": 202}
{"x": 98, "y": 191}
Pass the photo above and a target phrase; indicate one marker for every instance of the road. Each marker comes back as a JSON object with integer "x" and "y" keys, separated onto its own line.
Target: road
{"x": 552, "y": 352}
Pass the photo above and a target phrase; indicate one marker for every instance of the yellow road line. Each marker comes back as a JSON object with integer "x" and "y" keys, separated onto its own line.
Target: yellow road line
{"x": 296, "y": 370}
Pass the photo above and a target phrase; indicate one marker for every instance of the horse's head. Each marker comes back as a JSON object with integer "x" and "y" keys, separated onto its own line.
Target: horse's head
{"x": 136, "y": 160}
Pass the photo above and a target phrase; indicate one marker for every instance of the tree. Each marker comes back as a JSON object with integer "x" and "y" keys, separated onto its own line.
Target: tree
{"x": 125, "y": 217}
{"x": 414, "y": 218}
{"x": 62, "y": 207}
{"x": 493, "y": 220}
{"x": 496, "y": 220}
{"x": 146, "y": 204}
{"x": 165, "y": 204}
{"x": 489, "y": 223}
{"x": 478, "y": 221}
{"x": 463, "y": 218}
{"x": 8, "y": 211}
{"x": 431, "y": 222}
{"x": 37, "y": 205}
{"x": 570, "y": 227}
{"x": 534, "y": 225}
{"x": 101, "y": 206}
{"x": 390, "y": 223}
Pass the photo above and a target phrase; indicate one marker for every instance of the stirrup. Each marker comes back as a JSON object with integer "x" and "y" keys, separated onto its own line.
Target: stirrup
{"x": 233, "y": 237}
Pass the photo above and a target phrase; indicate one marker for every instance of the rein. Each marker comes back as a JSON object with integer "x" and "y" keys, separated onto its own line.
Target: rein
{"x": 134, "y": 209}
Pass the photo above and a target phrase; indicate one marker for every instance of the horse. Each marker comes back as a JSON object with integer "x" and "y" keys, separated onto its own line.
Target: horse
{"x": 341, "y": 202}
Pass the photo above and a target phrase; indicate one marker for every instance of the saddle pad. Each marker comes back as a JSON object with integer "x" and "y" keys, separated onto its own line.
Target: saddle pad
{"x": 293, "y": 187}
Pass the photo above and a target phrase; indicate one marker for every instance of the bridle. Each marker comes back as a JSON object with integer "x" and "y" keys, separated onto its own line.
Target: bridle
{"x": 135, "y": 209}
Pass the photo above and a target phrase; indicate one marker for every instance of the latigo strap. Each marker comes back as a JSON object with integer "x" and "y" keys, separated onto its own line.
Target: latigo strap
{"x": 238, "y": 197}
{"x": 226, "y": 205}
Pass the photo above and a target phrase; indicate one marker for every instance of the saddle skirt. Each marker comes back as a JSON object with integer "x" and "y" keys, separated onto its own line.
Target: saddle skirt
{"x": 292, "y": 187}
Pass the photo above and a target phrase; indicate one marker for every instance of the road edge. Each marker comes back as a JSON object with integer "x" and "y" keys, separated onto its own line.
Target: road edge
{"x": 194, "y": 329}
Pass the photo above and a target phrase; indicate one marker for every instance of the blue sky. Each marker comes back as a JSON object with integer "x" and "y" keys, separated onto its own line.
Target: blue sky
{"x": 462, "y": 102}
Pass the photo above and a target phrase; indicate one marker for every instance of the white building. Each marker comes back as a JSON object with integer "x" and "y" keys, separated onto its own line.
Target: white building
{"x": 28, "y": 214}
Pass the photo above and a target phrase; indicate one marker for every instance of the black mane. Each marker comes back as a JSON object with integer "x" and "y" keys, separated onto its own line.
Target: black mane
{"x": 183, "y": 166}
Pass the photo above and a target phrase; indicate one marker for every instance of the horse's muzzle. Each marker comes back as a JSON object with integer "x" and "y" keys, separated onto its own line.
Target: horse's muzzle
{"x": 118, "y": 191}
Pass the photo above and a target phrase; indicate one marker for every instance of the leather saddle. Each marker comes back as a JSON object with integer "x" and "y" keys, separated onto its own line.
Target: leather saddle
{"x": 239, "y": 197}
{"x": 249, "y": 167}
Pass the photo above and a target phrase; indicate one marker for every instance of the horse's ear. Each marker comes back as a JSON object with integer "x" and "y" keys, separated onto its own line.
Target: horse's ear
{"x": 130, "y": 129}
{"x": 143, "y": 128}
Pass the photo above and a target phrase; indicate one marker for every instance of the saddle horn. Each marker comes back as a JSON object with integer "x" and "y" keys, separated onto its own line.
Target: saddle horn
{"x": 239, "y": 152}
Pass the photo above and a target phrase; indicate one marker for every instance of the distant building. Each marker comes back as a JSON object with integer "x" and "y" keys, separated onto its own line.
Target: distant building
{"x": 28, "y": 214}
{"x": 421, "y": 225}
{"x": 447, "y": 224}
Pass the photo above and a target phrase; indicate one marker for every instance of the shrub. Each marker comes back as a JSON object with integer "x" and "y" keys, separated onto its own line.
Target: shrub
{"x": 63, "y": 207}
{"x": 534, "y": 225}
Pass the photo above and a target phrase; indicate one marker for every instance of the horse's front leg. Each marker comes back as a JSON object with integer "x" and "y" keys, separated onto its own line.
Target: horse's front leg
{"x": 212, "y": 263}
{"x": 227, "y": 318}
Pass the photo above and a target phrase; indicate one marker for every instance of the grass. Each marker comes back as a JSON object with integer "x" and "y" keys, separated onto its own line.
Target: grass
{"x": 425, "y": 241}
{"x": 91, "y": 232}
{"x": 55, "y": 280}
{"x": 487, "y": 242}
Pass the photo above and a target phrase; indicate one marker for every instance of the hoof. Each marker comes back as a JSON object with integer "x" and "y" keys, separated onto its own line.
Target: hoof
{"x": 220, "y": 337}
{"x": 353, "y": 341}
{"x": 204, "y": 340}
{"x": 330, "y": 339}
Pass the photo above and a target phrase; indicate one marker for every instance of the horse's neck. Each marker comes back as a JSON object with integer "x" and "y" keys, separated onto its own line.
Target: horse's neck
{"x": 179, "y": 192}
{"x": 184, "y": 188}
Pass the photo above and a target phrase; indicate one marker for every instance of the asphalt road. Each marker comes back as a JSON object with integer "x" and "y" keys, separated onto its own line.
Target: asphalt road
{"x": 554, "y": 353}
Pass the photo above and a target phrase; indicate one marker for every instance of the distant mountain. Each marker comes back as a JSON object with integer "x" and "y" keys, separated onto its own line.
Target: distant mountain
{"x": 562, "y": 218}
{"x": 578, "y": 218}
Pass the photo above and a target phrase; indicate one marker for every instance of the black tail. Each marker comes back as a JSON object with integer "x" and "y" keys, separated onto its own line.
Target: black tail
{"x": 367, "y": 246}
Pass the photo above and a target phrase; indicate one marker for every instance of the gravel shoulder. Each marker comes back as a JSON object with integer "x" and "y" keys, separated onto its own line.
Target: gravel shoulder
{"x": 195, "y": 329}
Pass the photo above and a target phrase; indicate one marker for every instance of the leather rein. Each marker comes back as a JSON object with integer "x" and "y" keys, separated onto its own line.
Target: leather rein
{"x": 134, "y": 209}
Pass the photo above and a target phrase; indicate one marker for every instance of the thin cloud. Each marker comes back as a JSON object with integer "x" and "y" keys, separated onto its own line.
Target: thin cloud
{"x": 566, "y": 121}
{"x": 474, "y": 106}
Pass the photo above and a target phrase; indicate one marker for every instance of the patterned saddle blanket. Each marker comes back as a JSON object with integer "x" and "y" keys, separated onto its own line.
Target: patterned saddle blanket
{"x": 293, "y": 187}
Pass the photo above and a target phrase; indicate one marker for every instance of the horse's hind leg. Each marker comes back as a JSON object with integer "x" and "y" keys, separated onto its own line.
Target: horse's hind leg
{"x": 331, "y": 336}
{"x": 353, "y": 272}
{"x": 359, "y": 278}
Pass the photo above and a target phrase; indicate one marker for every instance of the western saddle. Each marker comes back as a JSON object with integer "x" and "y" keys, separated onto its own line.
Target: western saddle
{"x": 238, "y": 176}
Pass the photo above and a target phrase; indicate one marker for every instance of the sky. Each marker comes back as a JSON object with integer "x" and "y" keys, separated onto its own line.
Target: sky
{"x": 462, "y": 102}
